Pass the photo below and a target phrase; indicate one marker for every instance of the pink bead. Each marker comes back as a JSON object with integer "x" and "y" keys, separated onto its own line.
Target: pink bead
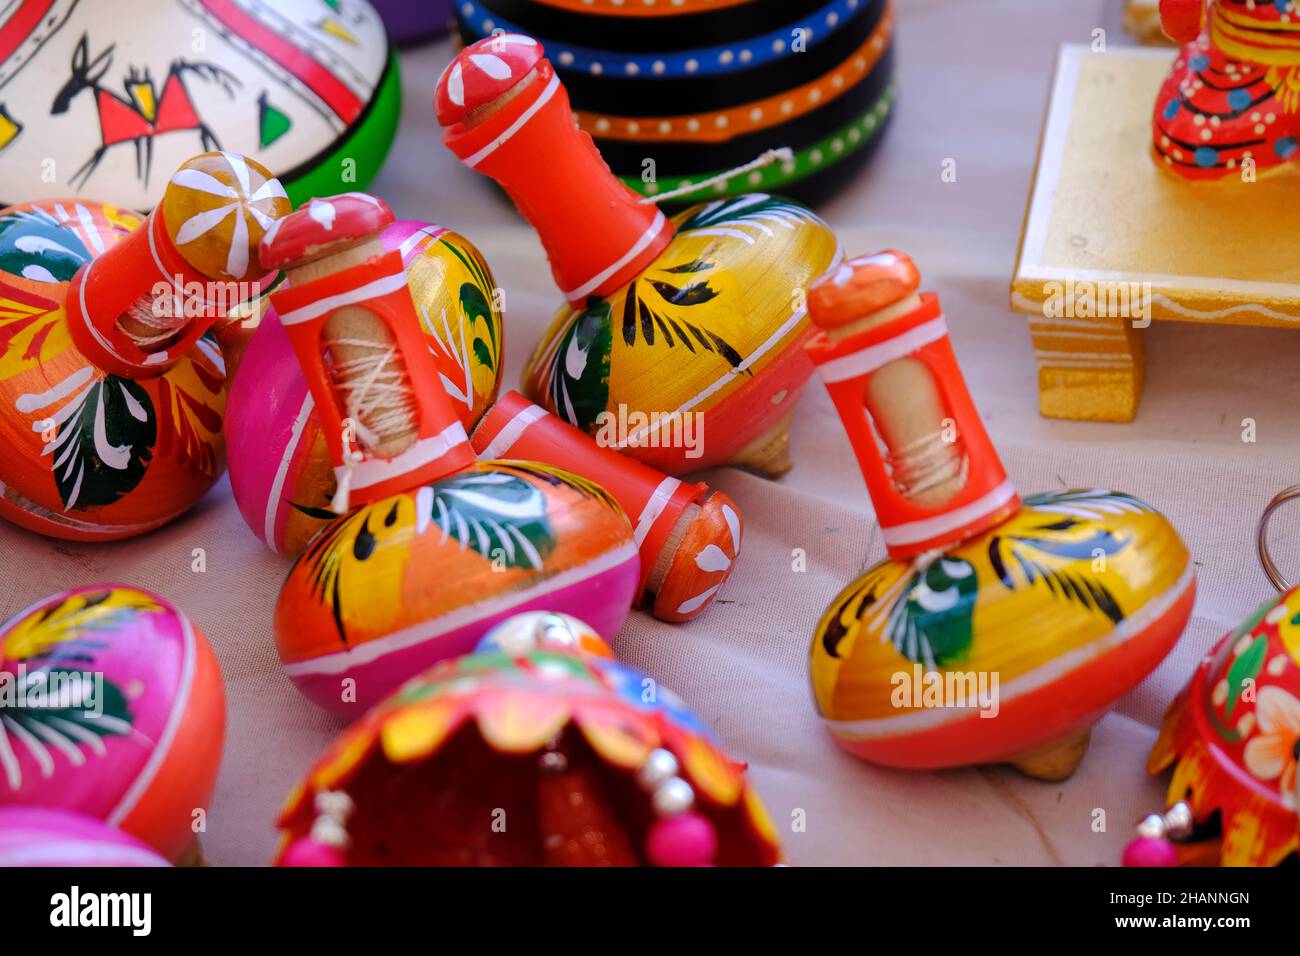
{"x": 685, "y": 840}
{"x": 1150, "y": 851}
{"x": 307, "y": 852}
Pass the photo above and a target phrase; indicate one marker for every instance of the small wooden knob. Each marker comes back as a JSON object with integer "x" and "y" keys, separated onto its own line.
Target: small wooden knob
{"x": 322, "y": 228}
{"x": 482, "y": 74}
{"x": 216, "y": 209}
{"x": 862, "y": 287}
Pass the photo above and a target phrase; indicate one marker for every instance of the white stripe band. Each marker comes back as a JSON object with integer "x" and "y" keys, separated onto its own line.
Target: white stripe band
{"x": 654, "y": 508}
{"x": 911, "y": 532}
{"x": 594, "y": 283}
{"x": 162, "y": 748}
{"x": 500, "y": 446}
{"x": 273, "y": 500}
{"x": 367, "y": 653}
{"x": 370, "y": 473}
{"x": 870, "y": 359}
{"x": 516, "y": 126}
{"x": 371, "y": 290}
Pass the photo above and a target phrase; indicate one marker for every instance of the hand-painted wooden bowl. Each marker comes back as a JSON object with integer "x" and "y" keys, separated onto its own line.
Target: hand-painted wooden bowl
{"x": 676, "y": 93}
{"x": 113, "y": 708}
{"x": 403, "y": 582}
{"x": 1038, "y": 625}
{"x": 85, "y": 454}
{"x": 539, "y": 757}
{"x": 34, "y": 836}
{"x": 279, "y": 466}
{"x": 1233, "y": 739}
{"x": 681, "y": 343}
{"x": 108, "y": 96}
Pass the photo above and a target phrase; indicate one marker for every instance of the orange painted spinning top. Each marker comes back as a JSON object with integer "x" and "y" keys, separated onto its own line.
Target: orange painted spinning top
{"x": 111, "y": 385}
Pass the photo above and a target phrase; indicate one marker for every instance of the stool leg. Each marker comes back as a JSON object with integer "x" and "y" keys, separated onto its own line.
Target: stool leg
{"x": 1088, "y": 369}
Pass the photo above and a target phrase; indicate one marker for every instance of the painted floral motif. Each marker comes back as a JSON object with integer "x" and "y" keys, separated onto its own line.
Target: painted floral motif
{"x": 577, "y": 379}
{"x": 104, "y": 429}
{"x": 190, "y": 399}
{"x": 497, "y": 513}
{"x": 747, "y": 218}
{"x": 58, "y": 646}
{"x": 477, "y": 312}
{"x": 687, "y": 308}
{"x": 1059, "y": 555}
{"x": 1271, "y": 754}
{"x": 34, "y": 245}
{"x": 927, "y": 611}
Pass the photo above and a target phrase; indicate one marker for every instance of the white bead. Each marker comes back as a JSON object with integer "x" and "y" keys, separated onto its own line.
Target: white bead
{"x": 329, "y": 832}
{"x": 1153, "y": 827}
{"x": 334, "y": 803}
{"x": 658, "y": 768}
{"x": 674, "y": 798}
{"x": 1179, "y": 821}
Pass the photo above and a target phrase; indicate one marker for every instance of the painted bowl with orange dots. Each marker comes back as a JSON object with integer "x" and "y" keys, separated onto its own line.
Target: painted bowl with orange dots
{"x": 34, "y": 836}
{"x": 86, "y": 455}
{"x": 280, "y": 470}
{"x": 406, "y": 581}
{"x": 528, "y": 756}
{"x": 114, "y": 709}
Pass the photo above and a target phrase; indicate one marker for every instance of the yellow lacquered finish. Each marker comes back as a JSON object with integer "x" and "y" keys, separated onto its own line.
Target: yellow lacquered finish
{"x": 1048, "y": 619}
{"x": 714, "y": 326}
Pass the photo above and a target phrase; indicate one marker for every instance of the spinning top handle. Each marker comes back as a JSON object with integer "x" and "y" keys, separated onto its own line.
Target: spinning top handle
{"x": 884, "y": 354}
{"x": 1182, "y": 20}
{"x": 507, "y": 115}
{"x": 1261, "y": 539}
{"x": 660, "y": 508}
{"x": 349, "y": 315}
{"x": 132, "y": 311}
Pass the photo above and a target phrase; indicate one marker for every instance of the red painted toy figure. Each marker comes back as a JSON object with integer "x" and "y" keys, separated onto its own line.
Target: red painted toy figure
{"x": 1233, "y": 97}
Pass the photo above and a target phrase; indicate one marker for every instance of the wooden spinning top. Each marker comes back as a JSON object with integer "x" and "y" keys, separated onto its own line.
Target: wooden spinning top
{"x": 431, "y": 548}
{"x": 997, "y": 630}
{"x": 349, "y": 315}
{"x": 684, "y": 336}
{"x": 137, "y": 308}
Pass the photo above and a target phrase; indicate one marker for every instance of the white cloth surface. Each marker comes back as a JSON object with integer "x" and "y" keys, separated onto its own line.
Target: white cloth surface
{"x": 974, "y": 78}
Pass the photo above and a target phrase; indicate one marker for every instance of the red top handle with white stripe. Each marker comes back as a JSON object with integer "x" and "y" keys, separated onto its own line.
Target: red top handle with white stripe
{"x": 349, "y": 315}
{"x": 883, "y": 351}
{"x": 507, "y": 115}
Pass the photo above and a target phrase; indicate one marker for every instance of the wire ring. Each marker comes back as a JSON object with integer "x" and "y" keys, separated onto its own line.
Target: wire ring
{"x": 1261, "y": 543}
